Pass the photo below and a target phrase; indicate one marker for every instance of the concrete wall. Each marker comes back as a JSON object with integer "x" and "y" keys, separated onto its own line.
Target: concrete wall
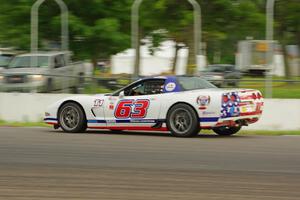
{"x": 279, "y": 114}
{"x": 16, "y": 107}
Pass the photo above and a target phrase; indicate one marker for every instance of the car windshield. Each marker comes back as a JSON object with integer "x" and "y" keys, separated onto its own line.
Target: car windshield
{"x": 4, "y": 60}
{"x": 25, "y": 62}
{"x": 194, "y": 83}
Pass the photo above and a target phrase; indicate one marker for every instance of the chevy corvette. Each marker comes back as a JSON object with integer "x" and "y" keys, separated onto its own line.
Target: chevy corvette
{"x": 181, "y": 105}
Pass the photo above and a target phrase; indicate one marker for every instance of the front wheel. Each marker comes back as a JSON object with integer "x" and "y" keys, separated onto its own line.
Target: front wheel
{"x": 227, "y": 131}
{"x": 183, "y": 121}
{"x": 72, "y": 118}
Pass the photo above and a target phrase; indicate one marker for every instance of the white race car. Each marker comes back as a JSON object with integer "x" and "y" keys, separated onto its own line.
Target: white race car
{"x": 179, "y": 104}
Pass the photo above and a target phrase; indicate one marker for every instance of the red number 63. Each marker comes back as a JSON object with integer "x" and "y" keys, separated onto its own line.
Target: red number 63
{"x": 124, "y": 109}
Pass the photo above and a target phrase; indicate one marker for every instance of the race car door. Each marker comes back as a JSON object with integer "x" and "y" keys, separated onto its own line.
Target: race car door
{"x": 135, "y": 107}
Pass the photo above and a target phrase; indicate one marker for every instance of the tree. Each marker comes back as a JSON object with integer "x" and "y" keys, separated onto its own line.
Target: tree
{"x": 175, "y": 17}
{"x": 98, "y": 28}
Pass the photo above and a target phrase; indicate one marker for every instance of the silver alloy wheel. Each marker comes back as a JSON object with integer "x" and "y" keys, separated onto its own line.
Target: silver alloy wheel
{"x": 181, "y": 121}
{"x": 69, "y": 118}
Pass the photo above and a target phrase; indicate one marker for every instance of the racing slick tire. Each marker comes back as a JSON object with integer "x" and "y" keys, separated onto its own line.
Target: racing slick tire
{"x": 227, "y": 131}
{"x": 72, "y": 118}
{"x": 183, "y": 121}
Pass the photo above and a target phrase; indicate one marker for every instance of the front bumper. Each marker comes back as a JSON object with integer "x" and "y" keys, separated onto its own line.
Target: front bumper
{"x": 22, "y": 87}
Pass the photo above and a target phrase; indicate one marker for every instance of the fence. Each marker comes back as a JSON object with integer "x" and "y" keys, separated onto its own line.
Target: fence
{"x": 49, "y": 83}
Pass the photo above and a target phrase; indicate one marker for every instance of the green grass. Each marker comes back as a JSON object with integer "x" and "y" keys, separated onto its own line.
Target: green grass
{"x": 280, "y": 90}
{"x": 95, "y": 89}
{"x": 265, "y": 133}
{"x": 260, "y": 132}
{"x": 270, "y": 133}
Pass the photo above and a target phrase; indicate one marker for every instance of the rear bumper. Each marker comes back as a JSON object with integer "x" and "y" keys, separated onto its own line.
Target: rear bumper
{"x": 231, "y": 122}
{"x": 238, "y": 108}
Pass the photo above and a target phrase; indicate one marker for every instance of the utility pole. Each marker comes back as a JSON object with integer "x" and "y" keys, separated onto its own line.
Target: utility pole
{"x": 270, "y": 53}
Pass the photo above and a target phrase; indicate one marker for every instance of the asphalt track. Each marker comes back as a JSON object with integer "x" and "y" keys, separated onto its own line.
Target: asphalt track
{"x": 39, "y": 163}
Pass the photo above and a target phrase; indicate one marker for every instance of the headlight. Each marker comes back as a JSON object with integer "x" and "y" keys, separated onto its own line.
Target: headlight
{"x": 36, "y": 77}
{"x": 217, "y": 77}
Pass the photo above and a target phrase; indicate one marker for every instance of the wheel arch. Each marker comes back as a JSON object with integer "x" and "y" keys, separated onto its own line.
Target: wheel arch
{"x": 182, "y": 102}
{"x": 70, "y": 101}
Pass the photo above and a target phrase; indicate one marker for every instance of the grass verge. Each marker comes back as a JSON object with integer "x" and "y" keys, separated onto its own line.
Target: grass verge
{"x": 280, "y": 90}
{"x": 260, "y": 132}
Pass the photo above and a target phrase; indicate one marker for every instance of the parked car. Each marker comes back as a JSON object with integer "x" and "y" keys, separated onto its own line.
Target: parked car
{"x": 182, "y": 105}
{"x": 42, "y": 72}
{"x": 220, "y": 74}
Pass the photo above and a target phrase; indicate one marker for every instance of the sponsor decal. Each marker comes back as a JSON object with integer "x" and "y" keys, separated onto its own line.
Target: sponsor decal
{"x": 143, "y": 121}
{"x": 111, "y": 106}
{"x": 230, "y": 105}
{"x": 98, "y": 102}
{"x": 170, "y": 87}
{"x": 208, "y": 113}
{"x": 203, "y": 102}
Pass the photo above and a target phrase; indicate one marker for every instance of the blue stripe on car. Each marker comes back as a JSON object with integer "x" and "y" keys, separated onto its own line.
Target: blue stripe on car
{"x": 50, "y": 119}
{"x": 209, "y": 119}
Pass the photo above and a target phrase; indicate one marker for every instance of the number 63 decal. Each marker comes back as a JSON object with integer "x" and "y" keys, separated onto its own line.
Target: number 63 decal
{"x": 124, "y": 109}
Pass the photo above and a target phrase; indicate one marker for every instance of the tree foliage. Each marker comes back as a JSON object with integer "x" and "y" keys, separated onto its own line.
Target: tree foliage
{"x": 100, "y": 28}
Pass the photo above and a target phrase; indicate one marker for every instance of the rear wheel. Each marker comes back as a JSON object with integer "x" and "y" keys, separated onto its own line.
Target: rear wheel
{"x": 72, "y": 118}
{"x": 227, "y": 131}
{"x": 183, "y": 121}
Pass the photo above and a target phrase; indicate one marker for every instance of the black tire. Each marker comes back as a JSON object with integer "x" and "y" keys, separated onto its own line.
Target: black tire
{"x": 183, "y": 121}
{"x": 72, "y": 118}
{"x": 227, "y": 131}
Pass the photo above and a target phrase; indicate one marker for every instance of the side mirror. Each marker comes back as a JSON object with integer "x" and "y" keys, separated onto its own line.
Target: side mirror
{"x": 121, "y": 95}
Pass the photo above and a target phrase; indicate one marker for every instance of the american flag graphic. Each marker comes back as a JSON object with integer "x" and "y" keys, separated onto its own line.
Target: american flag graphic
{"x": 230, "y": 105}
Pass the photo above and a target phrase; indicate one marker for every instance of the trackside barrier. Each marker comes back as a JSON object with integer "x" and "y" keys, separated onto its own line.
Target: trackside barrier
{"x": 279, "y": 114}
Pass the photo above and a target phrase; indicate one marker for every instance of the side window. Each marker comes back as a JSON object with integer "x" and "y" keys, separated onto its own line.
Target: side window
{"x": 59, "y": 61}
{"x": 148, "y": 87}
